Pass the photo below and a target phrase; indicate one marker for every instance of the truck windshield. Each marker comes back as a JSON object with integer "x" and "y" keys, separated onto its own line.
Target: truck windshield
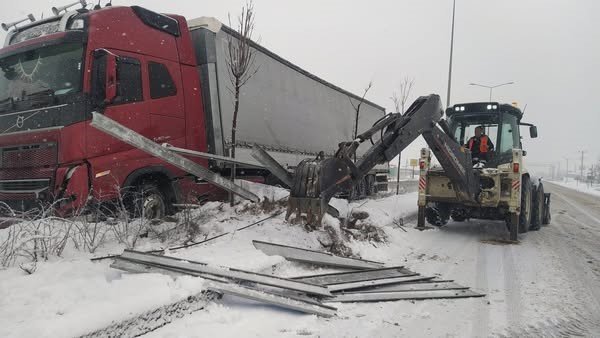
{"x": 52, "y": 71}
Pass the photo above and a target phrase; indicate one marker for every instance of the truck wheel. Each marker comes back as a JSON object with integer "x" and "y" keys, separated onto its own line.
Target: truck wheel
{"x": 537, "y": 212}
{"x": 150, "y": 202}
{"x": 436, "y": 216}
{"x": 526, "y": 201}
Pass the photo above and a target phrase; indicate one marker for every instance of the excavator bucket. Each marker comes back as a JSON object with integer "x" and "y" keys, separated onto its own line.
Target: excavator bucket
{"x": 316, "y": 181}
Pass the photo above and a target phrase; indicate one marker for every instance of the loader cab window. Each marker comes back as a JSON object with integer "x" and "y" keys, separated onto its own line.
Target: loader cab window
{"x": 463, "y": 127}
{"x": 161, "y": 82}
{"x": 509, "y": 138}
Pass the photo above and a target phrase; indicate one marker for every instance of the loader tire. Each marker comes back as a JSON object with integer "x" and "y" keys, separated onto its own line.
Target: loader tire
{"x": 547, "y": 215}
{"x": 526, "y": 201}
{"x": 512, "y": 223}
{"x": 371, "y": 185}
{"x": 537, "y": 210}
{"x": 436, "y": 216}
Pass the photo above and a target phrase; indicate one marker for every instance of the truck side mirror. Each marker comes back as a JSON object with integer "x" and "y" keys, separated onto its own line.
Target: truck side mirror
{"x": 533, "y": 132}
{"x": 104, "y": 78}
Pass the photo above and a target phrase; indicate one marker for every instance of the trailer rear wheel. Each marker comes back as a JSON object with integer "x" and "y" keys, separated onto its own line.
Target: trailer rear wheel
{"x": 526, "y": 201}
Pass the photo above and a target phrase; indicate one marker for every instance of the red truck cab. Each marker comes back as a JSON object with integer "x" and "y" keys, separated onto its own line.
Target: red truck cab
{"x": 133, "y": 65}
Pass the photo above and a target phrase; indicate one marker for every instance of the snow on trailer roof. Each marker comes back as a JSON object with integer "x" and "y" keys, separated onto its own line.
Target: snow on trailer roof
{"x": 215, "y": 26}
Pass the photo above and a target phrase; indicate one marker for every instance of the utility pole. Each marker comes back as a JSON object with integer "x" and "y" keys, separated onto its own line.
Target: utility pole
{"x": 567, "y": 170}
{"x": 451, "y": 52}
{"x": 581, "y": 165}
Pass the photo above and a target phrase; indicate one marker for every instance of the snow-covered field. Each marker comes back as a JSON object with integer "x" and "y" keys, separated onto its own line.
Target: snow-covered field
{"x": 531, "y": 287}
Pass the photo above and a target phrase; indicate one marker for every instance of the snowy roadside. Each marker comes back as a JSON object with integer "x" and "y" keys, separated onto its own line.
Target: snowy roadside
{"x": 592, "y": 189}
{"x": 70, "y": 296}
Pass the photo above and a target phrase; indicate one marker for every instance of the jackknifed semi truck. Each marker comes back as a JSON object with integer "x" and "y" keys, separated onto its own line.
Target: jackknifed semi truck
{"x": 165, "y": 78}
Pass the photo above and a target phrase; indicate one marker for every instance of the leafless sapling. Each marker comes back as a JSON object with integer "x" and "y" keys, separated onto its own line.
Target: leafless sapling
{"x": 241, "y": 65}
{"x": 357, "y": 106}
{"x": 400, "y": 100}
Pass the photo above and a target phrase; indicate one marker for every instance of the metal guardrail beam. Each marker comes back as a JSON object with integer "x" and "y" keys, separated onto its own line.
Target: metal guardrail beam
{"x": 129, "y": 136}
{"x": 314, "y": 257}
{"x": 182, "y": 265}
{"x": 356, "y": 276}
{"x": 272, "y": 165}
{"x": 388, "y": 296}
{"x": 201, "y": 154}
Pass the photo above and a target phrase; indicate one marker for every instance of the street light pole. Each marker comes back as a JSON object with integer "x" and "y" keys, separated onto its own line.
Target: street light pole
{"x": 451, "y": 52}
{"x": 491, "y": 87}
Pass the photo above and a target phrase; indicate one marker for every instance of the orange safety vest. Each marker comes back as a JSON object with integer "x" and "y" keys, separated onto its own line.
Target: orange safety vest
{"x": 483, "y": 144}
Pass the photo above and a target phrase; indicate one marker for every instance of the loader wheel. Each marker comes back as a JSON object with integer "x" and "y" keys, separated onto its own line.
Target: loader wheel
{"x": 547, "y": 216}
{"x": 458, "y": 215}
{"x": 512, "y": 223}
{"x": 371, "y": 186}
{"x": 526, "y": 201}
{"x": 436, "y": 216}
{"x": 537, "y": 212}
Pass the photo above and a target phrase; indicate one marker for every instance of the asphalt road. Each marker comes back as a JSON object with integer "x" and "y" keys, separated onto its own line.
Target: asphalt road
{"x": 547, "y": 285}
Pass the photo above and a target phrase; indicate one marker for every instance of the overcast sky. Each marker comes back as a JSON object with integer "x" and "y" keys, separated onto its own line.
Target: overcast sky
{"x": 549, "y": 48}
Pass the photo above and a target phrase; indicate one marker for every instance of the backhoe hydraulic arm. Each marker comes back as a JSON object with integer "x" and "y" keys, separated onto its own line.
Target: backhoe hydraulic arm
{"x": 317, "y": 180}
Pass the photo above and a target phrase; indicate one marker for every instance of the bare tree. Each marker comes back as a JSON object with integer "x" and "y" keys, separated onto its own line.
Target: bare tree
{"x": 356, "y": 107}
{"x": 241, "y": 66}
{"x": 400, "y": 100}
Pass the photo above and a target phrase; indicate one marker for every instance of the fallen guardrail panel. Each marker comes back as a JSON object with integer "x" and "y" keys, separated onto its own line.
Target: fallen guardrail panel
{"x": 314, "y": 257}
{"x": 425, "y": 286}
{"x": 375, "y": 282}
{"x": 356, "y": 276}
{"x": 410, "y": 295}
{"x": 202, "y": 268}
{"x": 275, "y": 299}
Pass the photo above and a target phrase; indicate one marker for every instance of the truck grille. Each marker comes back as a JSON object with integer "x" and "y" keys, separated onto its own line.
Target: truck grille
{"x": 24, "y": 186}
{"x": 32, "y": 155}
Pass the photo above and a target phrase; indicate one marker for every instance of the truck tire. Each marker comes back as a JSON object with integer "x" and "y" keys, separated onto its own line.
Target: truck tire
{"x": 436, "y": 216}
{"x": 150, "y": 202}
{"x": 537, "y": 210}
{"x": 526, "y": 201}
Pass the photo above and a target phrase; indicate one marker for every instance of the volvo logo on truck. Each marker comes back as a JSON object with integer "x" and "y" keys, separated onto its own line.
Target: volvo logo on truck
{"x": 20, "y": 121}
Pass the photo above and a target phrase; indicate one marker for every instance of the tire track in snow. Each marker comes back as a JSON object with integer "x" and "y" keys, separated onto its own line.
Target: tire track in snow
{"x": 512, "y": 286}
{"x": 576, "y": 249}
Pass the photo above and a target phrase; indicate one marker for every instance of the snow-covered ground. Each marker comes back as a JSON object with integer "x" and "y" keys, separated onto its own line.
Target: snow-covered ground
{"x": 541, "y": 286}
{"x": 590, "y": 188}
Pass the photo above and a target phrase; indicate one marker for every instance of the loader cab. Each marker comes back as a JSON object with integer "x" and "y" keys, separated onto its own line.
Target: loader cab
{"x": 500, "y": 123}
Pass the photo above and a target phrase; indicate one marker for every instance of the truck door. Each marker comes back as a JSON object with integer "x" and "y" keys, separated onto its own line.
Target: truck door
{"x": 167, "y": 116}
{"x": 128, "y": 107}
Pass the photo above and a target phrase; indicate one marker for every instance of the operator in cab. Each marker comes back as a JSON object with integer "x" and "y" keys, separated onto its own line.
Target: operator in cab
{"x": 480, "y": 145}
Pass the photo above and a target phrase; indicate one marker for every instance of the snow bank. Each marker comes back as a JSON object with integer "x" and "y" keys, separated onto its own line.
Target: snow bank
{"x": 592, "y": 189}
